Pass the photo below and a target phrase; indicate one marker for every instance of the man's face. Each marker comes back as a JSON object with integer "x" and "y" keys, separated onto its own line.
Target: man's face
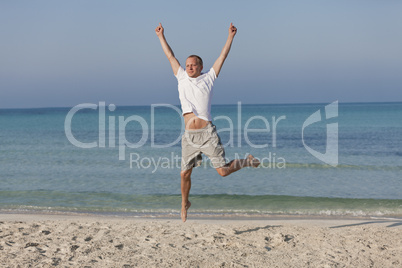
{"x": 193, "y": 69}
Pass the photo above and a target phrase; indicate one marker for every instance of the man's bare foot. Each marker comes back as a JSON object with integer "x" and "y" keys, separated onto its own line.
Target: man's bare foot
{"x": 184, "y": 211}
{"x": 252, "y": 161}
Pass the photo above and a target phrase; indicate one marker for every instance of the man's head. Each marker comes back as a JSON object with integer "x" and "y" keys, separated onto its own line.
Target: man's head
{"x": 194, "y": 66}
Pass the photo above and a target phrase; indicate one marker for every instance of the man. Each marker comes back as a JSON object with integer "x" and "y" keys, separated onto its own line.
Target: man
{"x": 200, "y": 136}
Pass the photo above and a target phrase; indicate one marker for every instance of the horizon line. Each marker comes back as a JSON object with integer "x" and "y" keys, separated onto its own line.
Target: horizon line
{"x": 217, "y": 104}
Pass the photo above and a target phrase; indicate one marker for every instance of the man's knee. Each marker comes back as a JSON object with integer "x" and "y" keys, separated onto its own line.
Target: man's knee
{"x": 185, "y": 174}
{"x": 223, "y": 171}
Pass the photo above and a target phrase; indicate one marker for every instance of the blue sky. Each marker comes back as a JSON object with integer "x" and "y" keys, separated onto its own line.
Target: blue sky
{"x": 63, "y": 53}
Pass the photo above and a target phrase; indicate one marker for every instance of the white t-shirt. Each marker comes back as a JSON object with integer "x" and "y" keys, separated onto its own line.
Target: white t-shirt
{"x": 196, "y": 93}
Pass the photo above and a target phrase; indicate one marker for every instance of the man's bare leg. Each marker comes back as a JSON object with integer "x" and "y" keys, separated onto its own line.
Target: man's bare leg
{"x": 185, "y": 191}
{"x": 238, "y": 164}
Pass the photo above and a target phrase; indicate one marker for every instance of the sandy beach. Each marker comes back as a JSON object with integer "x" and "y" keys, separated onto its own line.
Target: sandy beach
{"x": 41, "y": 240}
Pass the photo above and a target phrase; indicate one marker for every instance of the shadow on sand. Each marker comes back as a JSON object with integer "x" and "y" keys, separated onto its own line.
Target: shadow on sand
{"x": 257, "y": 228}
{"x": 394, "y": 223}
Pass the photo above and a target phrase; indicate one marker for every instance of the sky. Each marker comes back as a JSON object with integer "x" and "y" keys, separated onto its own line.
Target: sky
{"x": 64, "y": 53}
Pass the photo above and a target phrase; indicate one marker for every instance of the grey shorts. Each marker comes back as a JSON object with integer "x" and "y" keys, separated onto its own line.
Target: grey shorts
{"x": 201, "y": 141}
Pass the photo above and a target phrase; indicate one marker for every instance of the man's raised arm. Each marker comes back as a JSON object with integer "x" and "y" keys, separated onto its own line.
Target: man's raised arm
{"x": 166, "y": 48}
{"x": 225, "y": 51}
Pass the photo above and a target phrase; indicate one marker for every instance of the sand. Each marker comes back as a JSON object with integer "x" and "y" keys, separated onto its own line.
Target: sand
{"x": 104, "y": 241}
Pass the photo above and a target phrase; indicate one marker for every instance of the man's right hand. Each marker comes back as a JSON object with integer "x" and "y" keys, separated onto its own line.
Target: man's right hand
{"x": 166, "y": 48}
{"x": 159, "y": 30}
{"x": 232, "y": 30}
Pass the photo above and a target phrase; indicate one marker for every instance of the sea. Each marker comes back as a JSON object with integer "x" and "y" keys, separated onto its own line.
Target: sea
{"x": 321, "y": 159}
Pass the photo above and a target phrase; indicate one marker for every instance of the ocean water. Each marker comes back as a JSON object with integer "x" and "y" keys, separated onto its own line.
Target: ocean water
{"x": 109, "y": 159}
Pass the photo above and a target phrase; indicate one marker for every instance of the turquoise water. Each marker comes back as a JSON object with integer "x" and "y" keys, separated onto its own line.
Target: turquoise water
{"x": 41, "y": 169}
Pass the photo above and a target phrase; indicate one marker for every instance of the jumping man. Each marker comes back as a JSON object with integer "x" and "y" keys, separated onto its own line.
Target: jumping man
{"x": 200, "y": 136}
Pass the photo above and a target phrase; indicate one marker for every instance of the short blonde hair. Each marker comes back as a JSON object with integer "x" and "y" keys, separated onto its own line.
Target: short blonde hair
{"x": 199, "y": 60}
